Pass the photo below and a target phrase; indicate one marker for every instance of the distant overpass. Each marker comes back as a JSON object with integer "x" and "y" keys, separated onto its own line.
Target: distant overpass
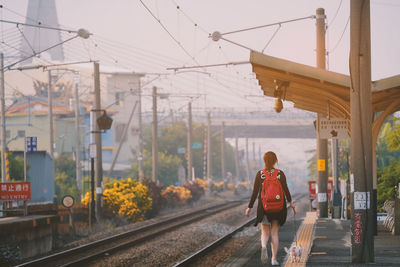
{"x": 268, "y": 128}
{"x": 290, "y": 123}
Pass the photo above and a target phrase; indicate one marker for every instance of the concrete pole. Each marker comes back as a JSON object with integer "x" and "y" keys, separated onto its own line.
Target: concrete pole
{"x": 189, "y": 143}
{"x": 322, "y": 144}
{"x": 237, "y": 156}
{"x": 3, "y": 122}
{"x": 140, "y": 143}
{"x": 50, "y": 108}
{"x": 209, "y": 145}
{"x": 78, "y": 135}
{"x": 362, "y": 239}
{"x": 154, "y": 147}
{"x": 99, "y": 157}
{"x": 223, "y": 169}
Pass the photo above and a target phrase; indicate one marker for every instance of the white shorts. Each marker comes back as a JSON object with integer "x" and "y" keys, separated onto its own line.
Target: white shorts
{"x": 265, "y": 221}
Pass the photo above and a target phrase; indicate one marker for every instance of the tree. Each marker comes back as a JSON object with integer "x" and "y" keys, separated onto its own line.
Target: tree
{"x": 16, "y": 167}
{"x": 65, "y": 178}
{"x": 174, "y": 136}
{"x": 167, "y": 167}
{"x": 65, "y": 186}
{"x": 388, "y": 179}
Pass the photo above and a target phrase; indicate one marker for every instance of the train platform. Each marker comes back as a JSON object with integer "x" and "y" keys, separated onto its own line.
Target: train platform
{"x": 325, "y": 242}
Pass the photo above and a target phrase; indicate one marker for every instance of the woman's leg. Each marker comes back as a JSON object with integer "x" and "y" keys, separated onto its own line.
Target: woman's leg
{"x": 274, "y": 238}
{"x": 265, "y": 230}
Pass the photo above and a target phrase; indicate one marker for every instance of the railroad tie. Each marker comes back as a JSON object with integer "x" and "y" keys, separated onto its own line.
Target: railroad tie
{"x": 304, "y": 239}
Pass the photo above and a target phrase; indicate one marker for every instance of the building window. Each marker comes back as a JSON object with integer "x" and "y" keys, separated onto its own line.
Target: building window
{"x": 21, "y": 133}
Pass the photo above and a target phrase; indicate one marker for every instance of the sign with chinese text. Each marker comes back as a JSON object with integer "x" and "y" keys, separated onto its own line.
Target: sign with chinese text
{"x": 197, "y": 145}
{"x": 15, "y": 191}
{"x": 312, "y": 189}
{"x": 361, "y": 200}
{"x": 332, "y": 128}
{"x": 31, "y": 144}
{"x": 357, "y": 228}
{"x": 321, "y": 165}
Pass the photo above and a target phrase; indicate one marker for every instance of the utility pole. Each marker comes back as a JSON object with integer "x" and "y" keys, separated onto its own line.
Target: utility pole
{"x": 3, "y": 122}
{"x": 205, "y": 148}
{"x": 140, "y": 156}
{"x": 237, "y": 155}
{"x": 189, "y": 142}
{"x": 209, "y": 145}
{"x": 78, "y": 135}
{"x": 361, "y": 187}
{"x": 99, "y": 158}
{"x": 223, "y": 170}
{"x": 247, "y": 160}
{"x": 322, "y": 144}
{"x": 92, "y": 148}
{"x": 51, "y": 128}
{"x": 154, "y": 147}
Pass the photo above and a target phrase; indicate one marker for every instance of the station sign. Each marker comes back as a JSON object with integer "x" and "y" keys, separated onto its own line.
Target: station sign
{"x": 197, "y": 145}
{"x": 14, "y": 191}
{"x": 333, "y": 128}
{"x": 31, "y": 144}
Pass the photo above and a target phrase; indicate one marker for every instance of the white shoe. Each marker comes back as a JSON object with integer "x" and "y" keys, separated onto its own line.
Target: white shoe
{"x": 264, "y": 255}
{"x": 274, "y": 262}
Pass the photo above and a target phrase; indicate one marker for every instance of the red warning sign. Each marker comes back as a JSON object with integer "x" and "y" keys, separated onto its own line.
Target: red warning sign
{"x": 357, "y": 232}
{"x": 15, "y": 191}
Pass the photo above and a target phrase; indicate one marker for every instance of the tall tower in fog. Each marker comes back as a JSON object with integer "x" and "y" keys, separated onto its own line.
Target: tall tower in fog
{"x": 35, "y": 39}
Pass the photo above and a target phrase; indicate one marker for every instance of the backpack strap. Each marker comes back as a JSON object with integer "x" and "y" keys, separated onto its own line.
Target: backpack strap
{"x": 263, "y": 174}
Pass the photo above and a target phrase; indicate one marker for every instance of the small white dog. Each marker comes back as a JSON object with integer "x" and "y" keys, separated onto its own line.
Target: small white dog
{"x": 294, "y": 252}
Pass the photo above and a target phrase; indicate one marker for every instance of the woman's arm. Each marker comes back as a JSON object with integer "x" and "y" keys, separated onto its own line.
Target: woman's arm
{"x": 256, "y": 189}
{"x": 286, "y": 190}
{"x": 284, "y": 186}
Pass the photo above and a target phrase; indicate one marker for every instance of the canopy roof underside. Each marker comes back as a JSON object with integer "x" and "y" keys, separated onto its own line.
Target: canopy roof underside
{"x": 315, "y": 89}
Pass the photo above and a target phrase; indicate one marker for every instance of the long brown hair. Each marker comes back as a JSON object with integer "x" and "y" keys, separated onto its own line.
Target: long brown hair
{"x": 270, "y": 159}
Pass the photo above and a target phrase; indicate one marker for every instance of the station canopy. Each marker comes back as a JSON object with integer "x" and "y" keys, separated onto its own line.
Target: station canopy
{"x": 318, "y": 90}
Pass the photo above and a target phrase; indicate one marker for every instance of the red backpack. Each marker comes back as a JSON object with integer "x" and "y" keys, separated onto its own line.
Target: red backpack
{"x": 272, "y": 195}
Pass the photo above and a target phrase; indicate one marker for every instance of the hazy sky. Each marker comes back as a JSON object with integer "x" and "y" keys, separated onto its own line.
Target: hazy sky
{"x": 145, "y": 46}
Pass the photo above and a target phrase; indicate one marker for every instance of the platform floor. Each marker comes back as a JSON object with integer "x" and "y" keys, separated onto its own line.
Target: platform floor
{"x": 331, "y": 246}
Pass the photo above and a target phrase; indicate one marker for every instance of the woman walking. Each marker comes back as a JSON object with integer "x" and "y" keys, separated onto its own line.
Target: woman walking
{"x": 270, "y": 220}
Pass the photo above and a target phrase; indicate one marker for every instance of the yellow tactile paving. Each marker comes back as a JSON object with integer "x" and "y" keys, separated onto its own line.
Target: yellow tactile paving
{"x": 304, "y": 239}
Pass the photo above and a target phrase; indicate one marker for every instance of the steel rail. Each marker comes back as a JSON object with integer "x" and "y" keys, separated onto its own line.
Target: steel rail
{"x": 202, "y": 252}
{"x": 93, "y": 250}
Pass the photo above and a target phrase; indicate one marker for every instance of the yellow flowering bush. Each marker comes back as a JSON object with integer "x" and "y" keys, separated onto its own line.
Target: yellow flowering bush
{"x": 220, "y": 186}
{"x": 243, "y": 186}
{"x": 125, "y": 198}
{"x": 202, "y": 183}
{"x": 230, "y": 186}
{"x": 175, "y": 195}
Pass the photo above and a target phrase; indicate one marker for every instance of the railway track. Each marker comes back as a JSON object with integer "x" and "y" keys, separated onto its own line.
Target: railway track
{"x": 85, "y": 253}
{"x": 210, "y": 247}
